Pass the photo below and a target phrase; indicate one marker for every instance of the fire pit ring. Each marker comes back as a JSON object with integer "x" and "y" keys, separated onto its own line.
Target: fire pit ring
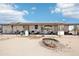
{"x": 50, "y": 42}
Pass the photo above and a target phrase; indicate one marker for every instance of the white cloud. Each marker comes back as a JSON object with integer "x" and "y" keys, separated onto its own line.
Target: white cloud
{"x": 68, "y": 9}
{"x": 65, "y": 5}
{"x": 33, "y": 8}
{"x": 57, "y": 10}
{"x": 52, "y": 11}
{"x": 6, "y": 6}
{"x": 26, "y": 12}
{"x": 8, "y": 13}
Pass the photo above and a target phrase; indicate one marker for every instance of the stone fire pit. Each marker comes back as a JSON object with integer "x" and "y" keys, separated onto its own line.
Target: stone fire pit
{"x": 50, "y": 42}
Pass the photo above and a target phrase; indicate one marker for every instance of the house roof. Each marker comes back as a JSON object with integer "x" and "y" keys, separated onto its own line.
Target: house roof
{"x": 41, "y": 24}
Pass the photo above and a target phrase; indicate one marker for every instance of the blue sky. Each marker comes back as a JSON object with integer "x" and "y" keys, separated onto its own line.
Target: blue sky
{"x": 40, "y": 12}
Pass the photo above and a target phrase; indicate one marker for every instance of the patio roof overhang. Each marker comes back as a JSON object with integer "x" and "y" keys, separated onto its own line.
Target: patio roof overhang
{"x": 41, "y": 24}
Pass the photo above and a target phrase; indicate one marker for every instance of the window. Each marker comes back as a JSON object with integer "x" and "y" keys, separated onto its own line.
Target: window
{"x": 61, "y": 27}
{"x": 36, "y": 26}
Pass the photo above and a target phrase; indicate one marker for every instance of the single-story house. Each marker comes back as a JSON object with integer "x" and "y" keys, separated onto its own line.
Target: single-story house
{"x": 40, "y": 28}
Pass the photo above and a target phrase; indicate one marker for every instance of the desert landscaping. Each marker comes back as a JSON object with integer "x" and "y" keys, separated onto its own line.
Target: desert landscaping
{"x": 17, "y": 45}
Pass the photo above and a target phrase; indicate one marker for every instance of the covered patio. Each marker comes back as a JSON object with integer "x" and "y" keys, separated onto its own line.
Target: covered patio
{"x": 40, "y": 28}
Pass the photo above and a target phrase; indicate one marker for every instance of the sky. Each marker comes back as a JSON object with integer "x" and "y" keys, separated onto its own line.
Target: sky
{"x": 39, "y": 12}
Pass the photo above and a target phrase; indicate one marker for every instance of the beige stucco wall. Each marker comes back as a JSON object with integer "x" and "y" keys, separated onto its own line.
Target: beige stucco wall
{"x": 55, "y": 29}
{"x": 78, "y": 27}
{"x": 7, "y": 29}
{"x": 26, "y": 27}
{"x": 19, "y": 28}
{"x": 66, "y": 28}
{"x": 32, "y": 27}
{"x": 60, "y": 27}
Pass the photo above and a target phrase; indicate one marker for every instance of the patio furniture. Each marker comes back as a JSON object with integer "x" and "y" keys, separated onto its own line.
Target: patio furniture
{"x": 22, "y": 33}
{"x": 32, "y": 32}
{"x": 77, "y": 33}
{"x": 50, "y": 32}
{"x": 17, "y": 32}
{"x": 67, "y": 33}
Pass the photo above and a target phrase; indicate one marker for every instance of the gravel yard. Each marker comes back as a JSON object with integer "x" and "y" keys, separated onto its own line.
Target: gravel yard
{"x": 16, "y": 45}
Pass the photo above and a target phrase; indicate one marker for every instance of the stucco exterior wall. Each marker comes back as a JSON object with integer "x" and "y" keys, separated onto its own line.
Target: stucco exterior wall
{"x": 55, "y": 29}
{"x": 26, "y": 27}
{"x": 66, "y": 28}
{"x": 7, "y": 29}
{"x": 32, "y": 27}
{"x": 78, "y": 27}
{"x": 19, "y": 28}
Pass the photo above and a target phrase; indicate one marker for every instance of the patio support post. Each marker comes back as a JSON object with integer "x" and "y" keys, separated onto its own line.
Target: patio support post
{"x": 23, "y": 28}
{"x": 1, "y": 29}
{"x": 12, "y": 28}
{"x": 58, "y": 30}
{"x": 28, "y": 28}
{"x": 42, "y": 28}
{"x": 75, "y": 29}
